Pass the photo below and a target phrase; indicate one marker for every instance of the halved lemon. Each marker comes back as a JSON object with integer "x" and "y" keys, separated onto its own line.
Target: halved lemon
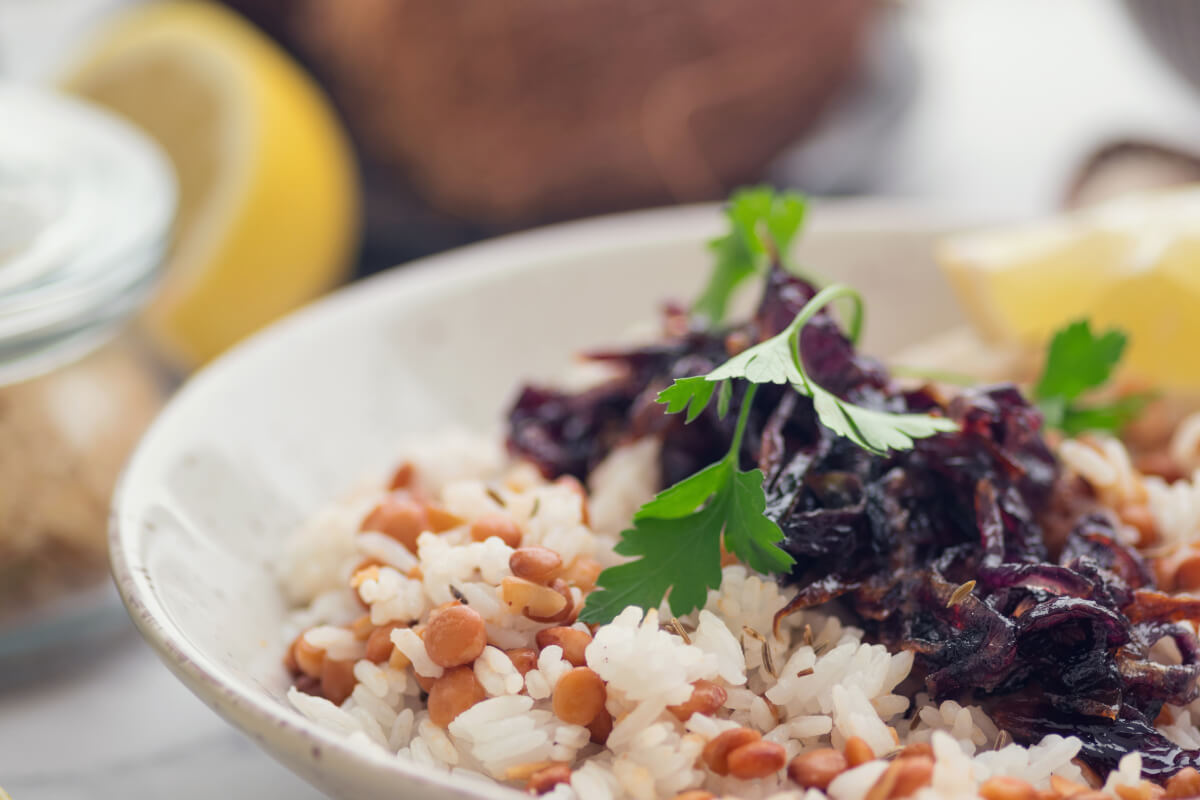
{"x": 1131, "y": 263}
{"x": 268, "y": 213}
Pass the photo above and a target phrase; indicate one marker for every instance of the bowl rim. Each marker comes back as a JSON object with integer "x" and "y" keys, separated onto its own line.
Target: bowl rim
{"x": 254, "y": 712}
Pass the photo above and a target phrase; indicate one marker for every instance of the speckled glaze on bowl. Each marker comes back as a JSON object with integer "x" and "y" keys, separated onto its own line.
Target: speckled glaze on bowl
{"x": 286, "y": 422}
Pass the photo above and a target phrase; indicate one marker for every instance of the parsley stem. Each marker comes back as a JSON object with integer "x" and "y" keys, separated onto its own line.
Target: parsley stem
{"x": 824, "y": 298}
{"x": 735, "y": 447}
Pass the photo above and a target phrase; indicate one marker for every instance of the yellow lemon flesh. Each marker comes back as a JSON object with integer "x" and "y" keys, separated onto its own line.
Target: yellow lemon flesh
{"x": 1132, "y": 263}
{"x": 268, "y": 214}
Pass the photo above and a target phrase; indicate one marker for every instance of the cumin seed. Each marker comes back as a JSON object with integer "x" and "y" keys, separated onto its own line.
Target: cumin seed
{"x": 960, "y": 594}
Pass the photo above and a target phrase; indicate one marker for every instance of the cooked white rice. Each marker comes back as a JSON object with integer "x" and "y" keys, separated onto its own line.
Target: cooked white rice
{"x": 827, "y": 685}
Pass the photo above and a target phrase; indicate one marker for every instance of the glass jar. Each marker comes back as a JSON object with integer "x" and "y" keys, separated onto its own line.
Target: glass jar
{"x": 86, "y": 204}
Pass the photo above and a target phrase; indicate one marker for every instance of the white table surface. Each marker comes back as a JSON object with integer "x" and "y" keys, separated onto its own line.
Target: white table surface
{"x": 1012, "y": 95}
{"x": 121, "y": 727}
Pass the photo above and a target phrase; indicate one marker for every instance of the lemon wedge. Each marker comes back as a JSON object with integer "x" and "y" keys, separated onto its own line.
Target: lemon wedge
{"x": 1131, "y": 263}
{"x": 268, "y": 212}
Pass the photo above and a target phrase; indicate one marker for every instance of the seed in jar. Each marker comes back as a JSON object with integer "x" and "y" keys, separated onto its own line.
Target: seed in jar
{"x": 546, "y": 779}
{"x": 453, "y": 693}
{"x": 454, "y": 636}
{"x": 756, "y": 760}
{"x": 399, "y": 517}
{"x": 716, "y": 752}
{"x": 816, "y": 769}
{"x": 537, "y": 564}
{"x": 707, "y": 697}
{"x": 337, "y": 680}
{"x": 579, "y": 696}
{"x": 573, "y": 642}
{"x": 496, "y": 524}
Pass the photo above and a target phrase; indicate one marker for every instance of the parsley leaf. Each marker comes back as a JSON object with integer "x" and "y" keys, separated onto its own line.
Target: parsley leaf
{"x": 677, "y": 535}
{"x": 756, "y": 216}
{"x": 1079, "y": 362}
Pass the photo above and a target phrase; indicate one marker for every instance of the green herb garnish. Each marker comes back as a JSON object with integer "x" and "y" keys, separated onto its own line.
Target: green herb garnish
{"x": 1079, "y": 362}
{"x": 678, "y": 534}
{"x": 761, "y": 224}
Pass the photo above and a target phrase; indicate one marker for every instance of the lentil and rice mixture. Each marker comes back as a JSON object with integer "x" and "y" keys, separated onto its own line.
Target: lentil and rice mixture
{"x": 452, "y": 643}
{"x": 438, "y": 621}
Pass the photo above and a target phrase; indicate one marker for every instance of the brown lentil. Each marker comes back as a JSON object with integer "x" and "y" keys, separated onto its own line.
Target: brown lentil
{"x": 379, "y": 643}
{"x": 695, "y": 794}
{"x": 523, "y": 658}
{"x": 337, "y": 680}
{"x": 441, "y": 520}
{"x": 546, "y": 779}
{"x": 1185, "y": 783}
{"x": 756, "y": 760}
{"x": 707, "y": 697}
{"x": 496, "y": 524}
{"x": 917, "y": 749}
{"x": 858, "y": 752}
{"x": 601, "y": 726}
{"x": 1187, "y": 573}
{"x": 716, "y": 752}
{"x": 583, "y": 572}
{"x": 402, "y": 478}
{"x": 568, "y": 613}
{"x": 1066, "y": 788}
{"x": 1138, "y": 516}
{"x": 816, "y": 769}
{"x": 912, "y": 773}
{"x": 455, "y": 636}
{"x": 573, "y": 642}
{"x": 1143, "y": 791}
{"x": 309, "y": 658}
{"x": 399, "y": 517}
{"x": 453, "y": 693}
{"x": 362, "y": 627}
{"x": 537, "y": 564}
{"x": 1005, "y": 788}
{"x": 531, "y": 599}
{"x": 579, "y": 696}
{"x": 397, "y": 660}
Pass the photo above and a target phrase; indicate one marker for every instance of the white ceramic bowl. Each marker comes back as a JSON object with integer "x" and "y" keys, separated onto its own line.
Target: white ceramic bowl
{"x": 282, "y": 425}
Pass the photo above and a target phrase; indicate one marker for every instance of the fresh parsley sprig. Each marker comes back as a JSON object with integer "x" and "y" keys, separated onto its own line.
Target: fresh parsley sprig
{"x": 677, "y": 535}
{"x": 762, "y": 224}
{"x": 1079, "y": 362}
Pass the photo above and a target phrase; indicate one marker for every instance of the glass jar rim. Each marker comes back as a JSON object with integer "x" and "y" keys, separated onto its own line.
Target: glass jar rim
{"x": 86, "y": 207}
